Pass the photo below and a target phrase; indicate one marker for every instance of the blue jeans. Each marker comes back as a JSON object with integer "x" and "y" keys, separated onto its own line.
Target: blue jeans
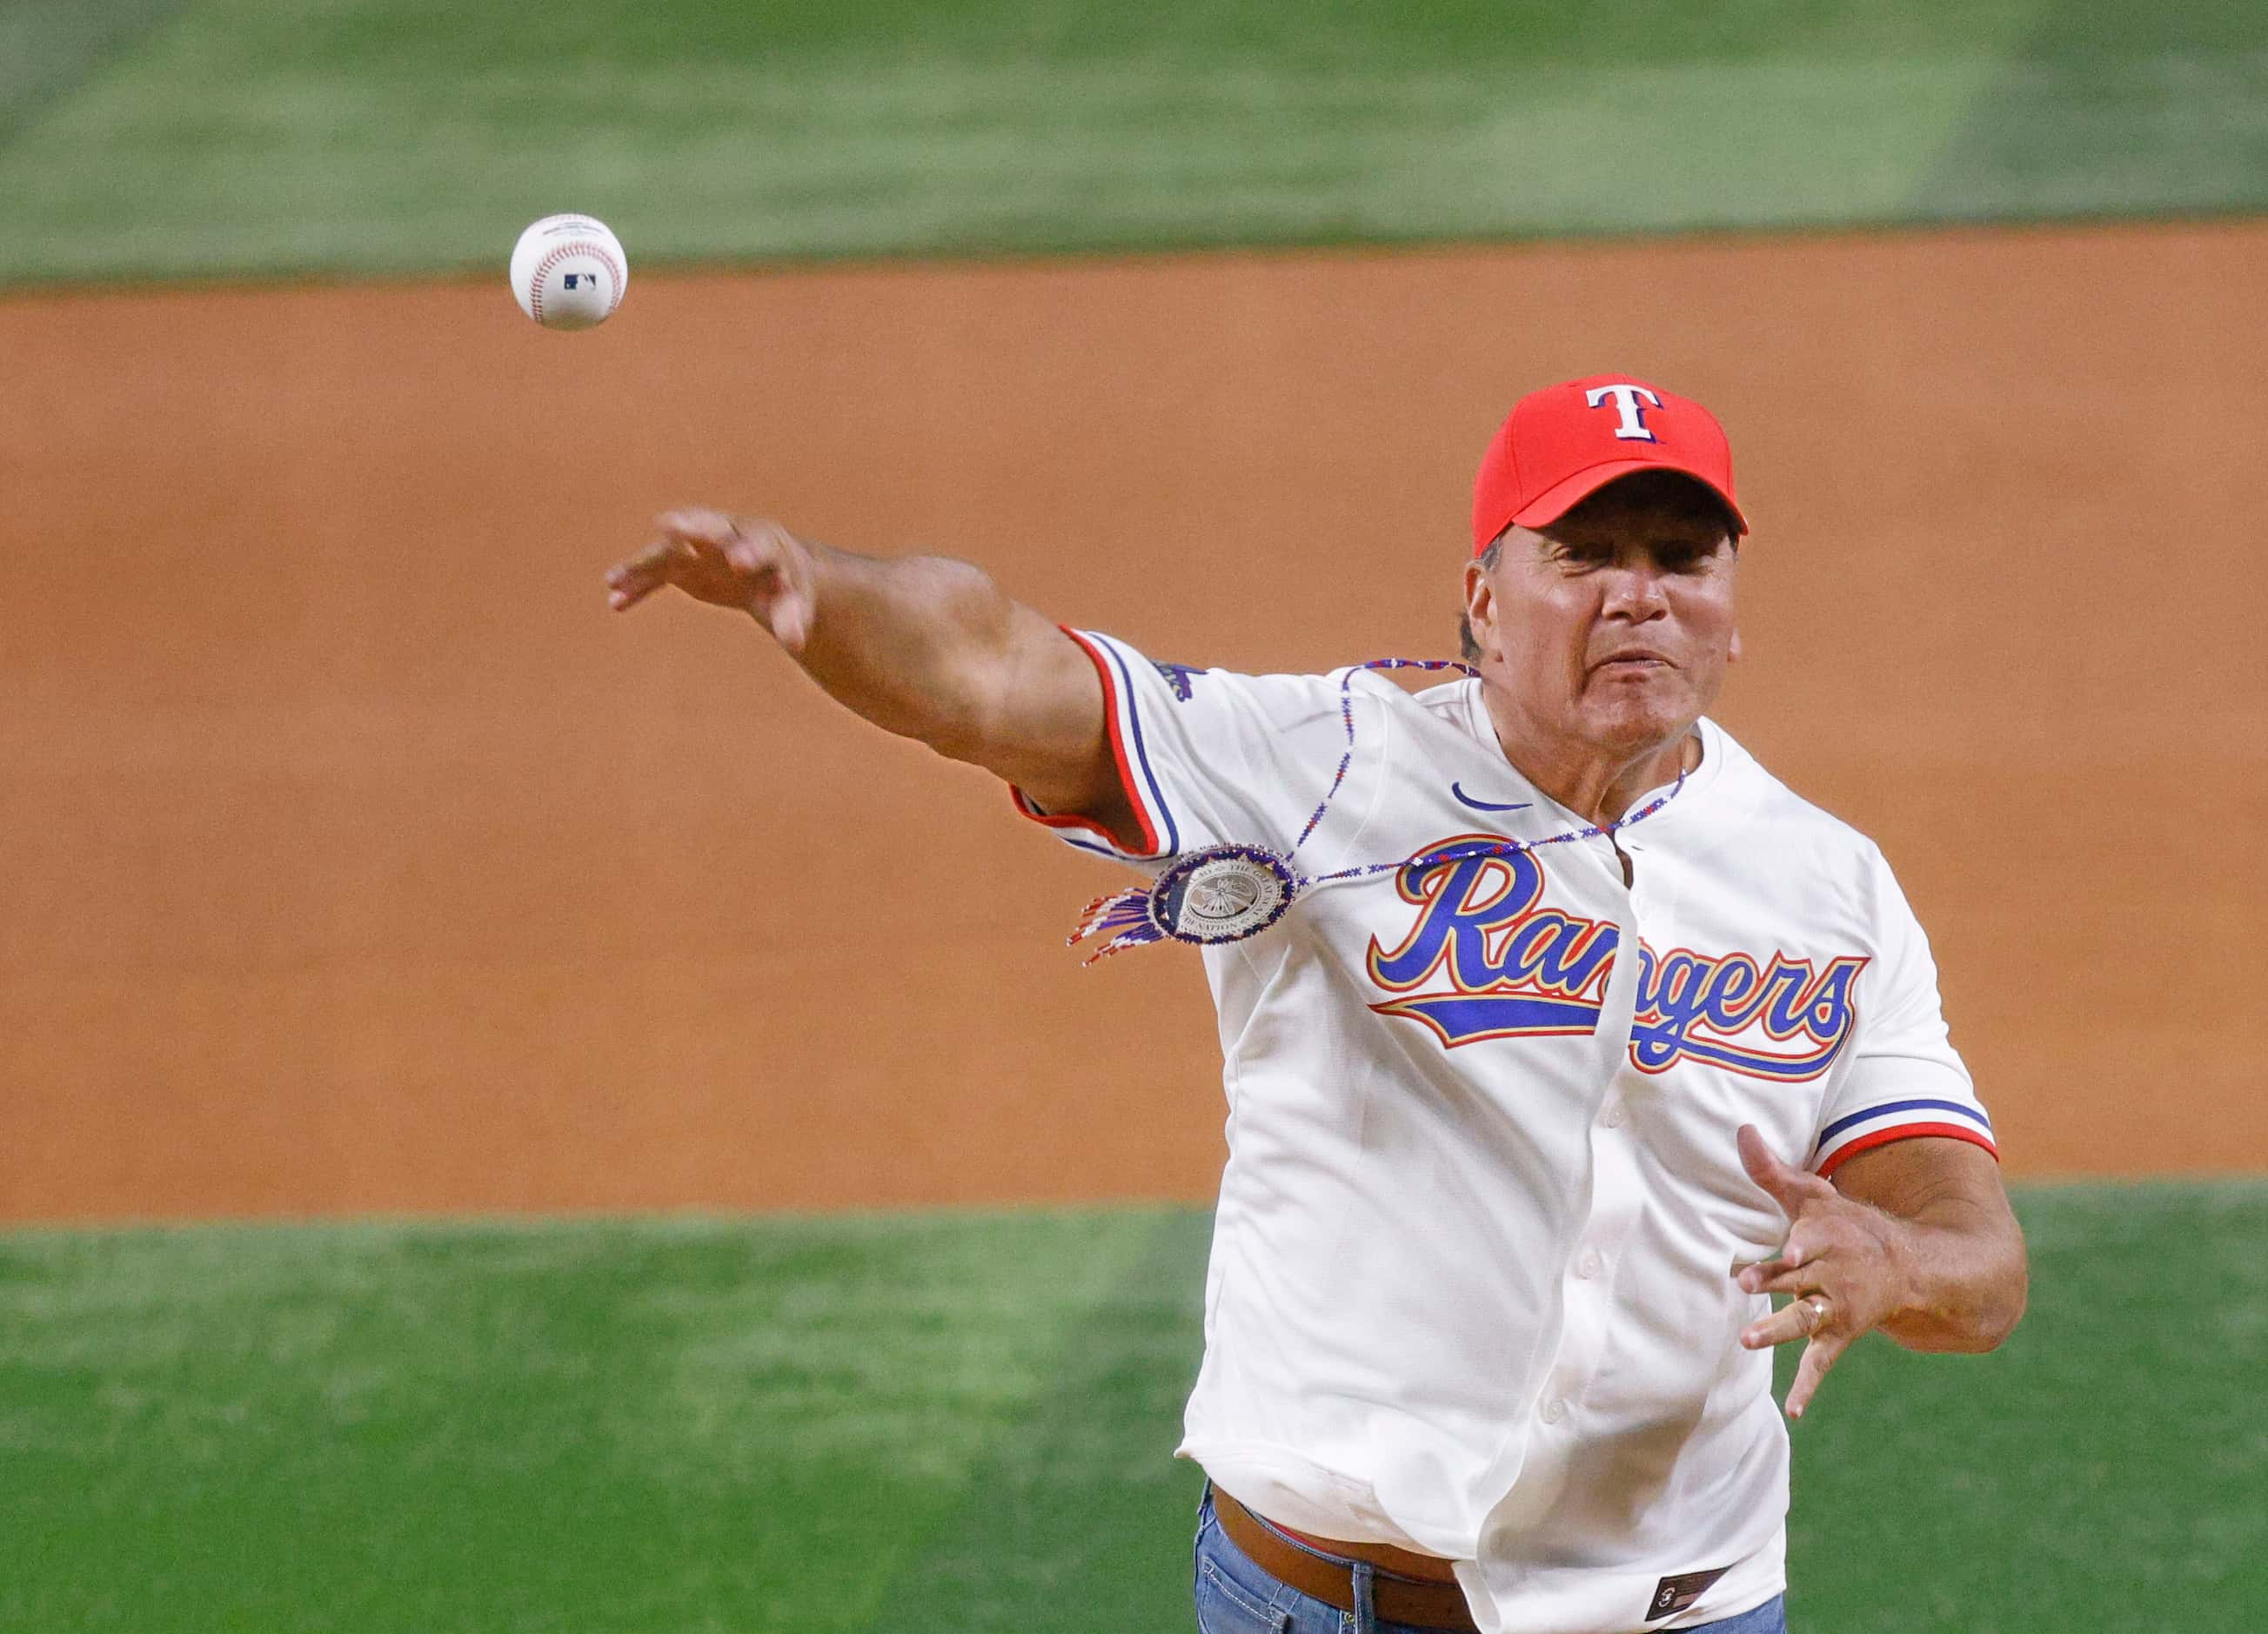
{"x": 1235, "y": 1596}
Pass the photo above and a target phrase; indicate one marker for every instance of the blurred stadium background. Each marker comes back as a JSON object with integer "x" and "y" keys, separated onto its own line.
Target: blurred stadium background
{"x": 510, "y": 1120}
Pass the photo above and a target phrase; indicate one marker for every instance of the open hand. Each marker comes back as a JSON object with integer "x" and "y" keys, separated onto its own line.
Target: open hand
{"x": 1840, "y": 1264}
{"x": 755, "y": 565}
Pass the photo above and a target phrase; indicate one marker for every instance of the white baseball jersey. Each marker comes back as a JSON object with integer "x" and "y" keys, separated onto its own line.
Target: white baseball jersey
{"x": 1470, "y": 1284}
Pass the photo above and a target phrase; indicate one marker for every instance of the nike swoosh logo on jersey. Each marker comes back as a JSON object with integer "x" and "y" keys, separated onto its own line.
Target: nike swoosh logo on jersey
{"x": 1488, "y": 805}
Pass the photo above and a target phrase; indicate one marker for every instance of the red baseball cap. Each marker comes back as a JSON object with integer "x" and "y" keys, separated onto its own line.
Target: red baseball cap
{"x": 1563, "y": 444}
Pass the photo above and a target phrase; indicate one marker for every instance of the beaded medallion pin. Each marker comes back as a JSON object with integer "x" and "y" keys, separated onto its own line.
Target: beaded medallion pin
{"x": 1226, "y": 893}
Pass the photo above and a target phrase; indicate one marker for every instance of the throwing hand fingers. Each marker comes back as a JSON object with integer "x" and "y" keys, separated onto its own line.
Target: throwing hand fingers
{"x": 757, "y": 566}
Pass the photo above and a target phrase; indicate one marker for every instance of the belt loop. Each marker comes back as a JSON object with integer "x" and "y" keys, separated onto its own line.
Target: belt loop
{"x": 1365, "y": 1609}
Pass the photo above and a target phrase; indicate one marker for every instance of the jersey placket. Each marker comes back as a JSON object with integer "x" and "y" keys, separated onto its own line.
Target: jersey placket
{"x": 1587, "y": 1279}
{"x": 1587, "y": 1276}
{"x": 1617, "y": 1180}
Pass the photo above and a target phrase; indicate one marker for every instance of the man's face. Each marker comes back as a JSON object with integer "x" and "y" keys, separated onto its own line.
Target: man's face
{"x": 1611, "y": 627}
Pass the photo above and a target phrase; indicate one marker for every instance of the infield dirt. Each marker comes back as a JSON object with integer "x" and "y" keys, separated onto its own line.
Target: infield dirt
{"x": 358, "y": 858}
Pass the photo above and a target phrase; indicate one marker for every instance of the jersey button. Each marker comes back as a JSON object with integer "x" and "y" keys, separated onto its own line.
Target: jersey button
{"x": 1587, "y": 1267}
{"x": 1554, "y": 1411}
{"x": 1615, "y": 1114}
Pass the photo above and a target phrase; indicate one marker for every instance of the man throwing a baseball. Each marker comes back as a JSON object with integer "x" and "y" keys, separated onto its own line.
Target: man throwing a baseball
{"x": 1559, "y": 1035}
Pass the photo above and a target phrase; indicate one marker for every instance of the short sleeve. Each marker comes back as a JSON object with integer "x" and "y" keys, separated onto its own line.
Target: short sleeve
{"x": 1207, "y": 756}
{"x": 1904, "y": 1078}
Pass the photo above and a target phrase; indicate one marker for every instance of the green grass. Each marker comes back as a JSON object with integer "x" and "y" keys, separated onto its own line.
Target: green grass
{"x": 665, "y": 1426}
{"x": 2107, "y": 1469}
{"x": 46, "y": 46}
{"x": 367, "y": 137}
{"x": 964, "y": 1421}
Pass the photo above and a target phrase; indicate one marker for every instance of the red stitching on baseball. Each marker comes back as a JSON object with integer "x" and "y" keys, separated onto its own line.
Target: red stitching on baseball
{"x": 558, "y": 253}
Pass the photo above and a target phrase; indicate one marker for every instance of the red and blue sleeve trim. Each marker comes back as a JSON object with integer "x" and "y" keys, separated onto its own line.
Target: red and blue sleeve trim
{"x": 1956, "y": 1120}
{"x": 1122, "y": 721}
{"x": 1906, "y": 1131}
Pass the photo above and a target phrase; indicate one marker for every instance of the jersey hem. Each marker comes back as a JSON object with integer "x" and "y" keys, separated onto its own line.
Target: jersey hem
{"x": 1703, "y": 1613}
{"x": 1285, "y": 1485}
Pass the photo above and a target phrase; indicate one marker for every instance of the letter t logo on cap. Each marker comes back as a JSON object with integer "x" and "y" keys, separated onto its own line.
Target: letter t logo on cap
{"x": 1631, "y": 422}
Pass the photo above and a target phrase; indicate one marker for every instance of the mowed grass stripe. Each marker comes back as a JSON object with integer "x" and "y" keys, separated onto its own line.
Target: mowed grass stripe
{"x": 837, "y": 1424}
{"x": 1069, "y": 1518}
{"x": 2104, "y": 1469}
{"x": 2105, "y": 107}
{"x": 48, "y": 45}
{"x": 651, "y": 1426}
{"x": 384, "y": 137}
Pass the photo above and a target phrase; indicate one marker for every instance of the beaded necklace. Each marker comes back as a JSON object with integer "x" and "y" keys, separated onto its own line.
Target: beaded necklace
{"x": 1227, "y": 892}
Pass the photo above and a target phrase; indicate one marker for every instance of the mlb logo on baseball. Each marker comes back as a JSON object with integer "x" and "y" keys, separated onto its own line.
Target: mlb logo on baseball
{"x": 568, "y": 272}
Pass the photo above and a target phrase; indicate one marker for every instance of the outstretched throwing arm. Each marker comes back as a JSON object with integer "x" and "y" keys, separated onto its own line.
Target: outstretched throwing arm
{"x": 924, "y": 646}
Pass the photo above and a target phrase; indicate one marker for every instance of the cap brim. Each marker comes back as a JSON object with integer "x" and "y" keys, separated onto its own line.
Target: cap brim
{"x": 1564, "y": 495}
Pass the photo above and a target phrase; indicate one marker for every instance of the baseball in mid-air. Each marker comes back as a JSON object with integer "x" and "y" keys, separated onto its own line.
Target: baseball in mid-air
{"x": 568, "y": 272}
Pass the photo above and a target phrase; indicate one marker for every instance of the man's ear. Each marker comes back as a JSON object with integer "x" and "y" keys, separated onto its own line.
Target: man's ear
{"x": 1480, "y": 606}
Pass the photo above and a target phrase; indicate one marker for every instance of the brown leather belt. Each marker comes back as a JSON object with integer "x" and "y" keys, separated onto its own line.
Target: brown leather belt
{"x": 1394, "y": 1598}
